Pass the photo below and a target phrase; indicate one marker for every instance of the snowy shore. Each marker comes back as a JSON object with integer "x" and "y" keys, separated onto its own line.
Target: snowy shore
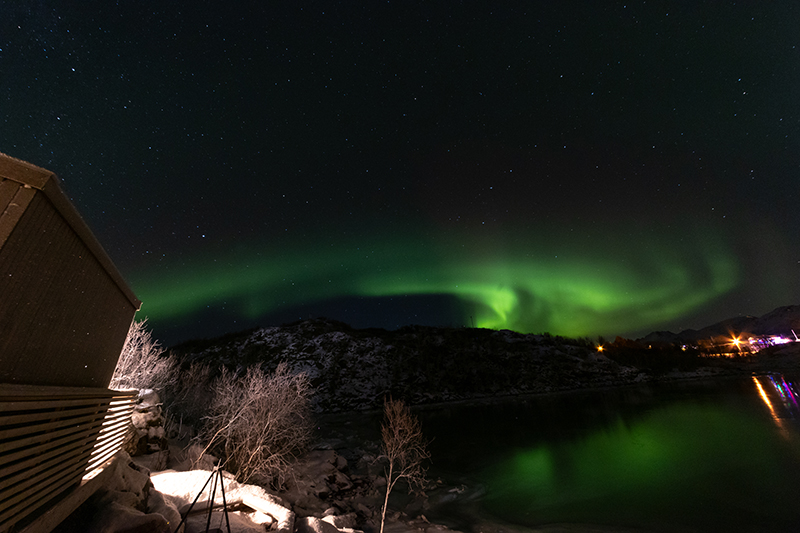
{"x": 335, "y": 487}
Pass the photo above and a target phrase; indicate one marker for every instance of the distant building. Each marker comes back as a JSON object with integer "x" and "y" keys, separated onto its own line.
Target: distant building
{"x": 765, "y": 341}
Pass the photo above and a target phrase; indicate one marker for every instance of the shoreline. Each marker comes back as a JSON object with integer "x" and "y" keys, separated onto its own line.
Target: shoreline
{"x": 358, "y": 493}
{"x": 503, "y": 398}
{"x": 489, "y": 524}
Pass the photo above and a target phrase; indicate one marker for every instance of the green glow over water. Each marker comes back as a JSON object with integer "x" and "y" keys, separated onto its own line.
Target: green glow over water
{"x": 663, "y": 470}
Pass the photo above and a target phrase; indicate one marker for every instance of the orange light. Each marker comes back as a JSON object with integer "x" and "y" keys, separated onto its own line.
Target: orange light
{"x": 778, "y": 420}
{"x": 764, "y": 397}
{"x": 600, "y": 348}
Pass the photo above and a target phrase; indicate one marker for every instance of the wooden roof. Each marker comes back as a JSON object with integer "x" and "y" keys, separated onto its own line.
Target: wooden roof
{"x": 19, "y": 182}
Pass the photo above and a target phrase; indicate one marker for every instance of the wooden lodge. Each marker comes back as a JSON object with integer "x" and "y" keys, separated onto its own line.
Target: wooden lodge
{"x": 65, "y": 311}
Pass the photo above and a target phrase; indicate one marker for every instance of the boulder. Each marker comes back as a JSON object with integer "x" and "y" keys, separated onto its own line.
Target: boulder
{"x": 341, "y": 521}
{"x": 117, "y": 516}
{"x": 156, "y": 503}
{"x": 311, "y": 524}
{"x": 148, "y": 422}
{"x": 128, "y": 477}
{"x": 126, "y": 503}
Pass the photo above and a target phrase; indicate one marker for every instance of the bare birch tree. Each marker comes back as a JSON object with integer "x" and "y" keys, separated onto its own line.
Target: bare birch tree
{"x": 404, "y": 448}
{"x": 259, "y": 422}
{"x": 142, "y": 363}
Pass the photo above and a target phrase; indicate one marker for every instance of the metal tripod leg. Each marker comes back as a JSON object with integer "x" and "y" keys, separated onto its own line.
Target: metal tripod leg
{"x": 216, "y": 476}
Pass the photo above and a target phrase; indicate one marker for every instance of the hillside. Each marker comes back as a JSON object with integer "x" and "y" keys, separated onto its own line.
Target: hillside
{"x": 354, "y": 369}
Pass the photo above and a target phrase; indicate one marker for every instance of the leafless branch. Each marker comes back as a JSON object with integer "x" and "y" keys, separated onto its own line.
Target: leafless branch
{"x": 259, "y": 422}
{"x": 142, "y": 363}
{"x": 404, "y": 448}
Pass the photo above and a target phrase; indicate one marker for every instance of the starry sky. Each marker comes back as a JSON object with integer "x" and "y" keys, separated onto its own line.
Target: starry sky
{"x": 581, "y": 168}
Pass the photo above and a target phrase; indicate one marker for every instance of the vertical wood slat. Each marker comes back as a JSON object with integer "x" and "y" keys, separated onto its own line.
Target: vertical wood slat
{"x": 51, "y": 438}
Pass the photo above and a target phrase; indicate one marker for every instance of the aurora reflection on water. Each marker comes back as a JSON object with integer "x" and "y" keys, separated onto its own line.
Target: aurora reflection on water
{"x": 686, "y": 465}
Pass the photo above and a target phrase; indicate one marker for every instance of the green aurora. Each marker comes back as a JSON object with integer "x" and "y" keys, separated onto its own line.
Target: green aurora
{"x": 574, "y": 287}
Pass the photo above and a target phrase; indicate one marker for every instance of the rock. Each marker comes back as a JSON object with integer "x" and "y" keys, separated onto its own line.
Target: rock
{"x": 363, "y": 509}
{"x": 310, "y": 524}
{"x": 269, "y": 506}
{"x": 118, "y": 517}
{"x": 240, "y": 523}
{"x": 341, "y": 521}
{"x": 148, "y": 420}
{"x": 181, "y": 488}
{"x": 309, "y": 505}
{"x": 263, "y": 519}
{"x": 149, "y": 397}
{"x": 341, "y": 481}
{"x": 316, "y": 475}
{"x": 130, "y": 477}
{"x": 156, "y": 503}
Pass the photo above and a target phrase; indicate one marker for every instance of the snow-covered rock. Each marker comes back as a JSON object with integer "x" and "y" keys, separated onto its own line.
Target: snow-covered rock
{"x": 183, "y": 488}
{"x": 126, "y": 503}
{"x": 148, "y": 436}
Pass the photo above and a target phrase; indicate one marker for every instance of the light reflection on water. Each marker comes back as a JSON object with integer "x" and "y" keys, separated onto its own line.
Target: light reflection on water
{"x": 684, "y": 460}
{"x": 784, "y": 415}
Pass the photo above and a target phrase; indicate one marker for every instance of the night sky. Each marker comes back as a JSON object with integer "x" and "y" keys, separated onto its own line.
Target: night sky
{"x": 580, "y": 168}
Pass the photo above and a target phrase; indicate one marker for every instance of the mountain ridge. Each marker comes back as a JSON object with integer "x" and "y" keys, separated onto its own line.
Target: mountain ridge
{"x": 780, "y": 321}
{"x": 355, "y": 369}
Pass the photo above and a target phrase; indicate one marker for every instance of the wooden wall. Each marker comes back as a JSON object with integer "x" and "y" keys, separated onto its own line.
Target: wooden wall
{"x": 64, "y": 308}
{"x": 54, "y": 438}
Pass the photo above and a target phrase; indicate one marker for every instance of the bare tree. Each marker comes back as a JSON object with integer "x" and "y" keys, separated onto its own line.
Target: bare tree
{"x": 189, "y": 398}
{"x": 259, "y": 422}
{"x": 142, "y": 364}
{"x": 404, "y": 448}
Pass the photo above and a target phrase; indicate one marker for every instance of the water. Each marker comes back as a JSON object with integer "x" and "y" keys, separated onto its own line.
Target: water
{"x": 712, "y": 456}
{"x": 701, "y": 456}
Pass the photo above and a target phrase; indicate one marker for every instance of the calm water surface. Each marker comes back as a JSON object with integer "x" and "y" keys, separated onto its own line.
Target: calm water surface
{"x": 701, "y": 456}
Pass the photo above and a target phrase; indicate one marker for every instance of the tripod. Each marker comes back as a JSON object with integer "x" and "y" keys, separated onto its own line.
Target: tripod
{"x": 216, "y": 475}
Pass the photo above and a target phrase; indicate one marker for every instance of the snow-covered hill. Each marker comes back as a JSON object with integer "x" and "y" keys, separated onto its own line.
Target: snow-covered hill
{"x": 354, "y": 369}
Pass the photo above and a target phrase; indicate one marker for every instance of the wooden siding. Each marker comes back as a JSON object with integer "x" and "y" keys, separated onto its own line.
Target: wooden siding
{"x": 52, "y": 438}
{"x": 64, "y": 308}
{"x": 62, "y": 319}
{"x": 64, "y": 314}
